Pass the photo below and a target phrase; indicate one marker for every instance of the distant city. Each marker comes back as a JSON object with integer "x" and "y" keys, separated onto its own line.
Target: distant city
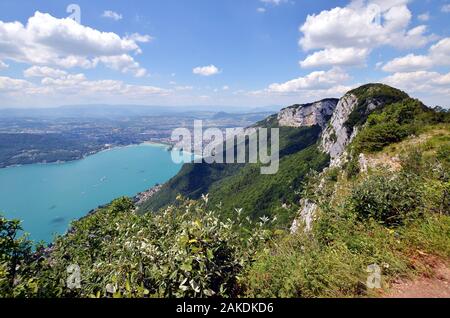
{"x": 57, "y": 135}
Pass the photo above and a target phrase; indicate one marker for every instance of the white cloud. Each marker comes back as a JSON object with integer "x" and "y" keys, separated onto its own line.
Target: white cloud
{"x": 431, "y": 83}
{"x": 261, "y": 10}
{"x": 361, "y": 27}
{"x": 12, "y": 84}
{"x": 318, "y": 80}
{"x": 274, "y": 2}
{"x": 438, "y": 55}
{"x": 206, "y": 70}
{"x": 46, "y": 40}
{"x": 225, "y": 88}
{"x": 44, "y": 71}
{"x": 142, "y": 38}
{"x": 123, "y": 63}
{"x": 3, "y": 65}
{"x": 336, "y": 57}
{"x": 409, "y": 62}
{"x": 112, "y": 15}
{"x": 445, "y": 8}
{"x": 424, "y": 16}
{"x": 69, "y": 80}
{"x": 75, "y": 87}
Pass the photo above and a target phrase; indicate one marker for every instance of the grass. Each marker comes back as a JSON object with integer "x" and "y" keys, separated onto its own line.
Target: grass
{"x": 331, "y": 260}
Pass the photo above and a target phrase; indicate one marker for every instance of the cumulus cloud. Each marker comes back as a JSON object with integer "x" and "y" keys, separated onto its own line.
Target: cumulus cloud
{"x": 123, "y": 63}
{"x": 318, "y": 80}
{"x": 336, "y": 57}
{"x": 421, "y": 82}
{"x": 261, "y": 10}
{"x": 361, "y": 27}
{"x": 75, "y": 86}
{"x": 112, "y": 15}
{"x": 8, "y": 84}
{"x": 438, "y": 55}
{"x": 408, "y": 63}
{"x": 46, "y": 40}
{"x": 206, "y": 70}
{"x": 142, "y": 38}
{"x": 3, "y": 65}
{"x": 44, "y": 71}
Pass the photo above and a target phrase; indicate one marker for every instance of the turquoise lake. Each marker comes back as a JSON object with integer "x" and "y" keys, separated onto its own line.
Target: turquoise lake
{"x": 47, "y": 197}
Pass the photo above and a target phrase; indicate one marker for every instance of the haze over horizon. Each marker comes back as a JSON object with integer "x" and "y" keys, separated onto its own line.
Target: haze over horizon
{"x": 220, "y": 54}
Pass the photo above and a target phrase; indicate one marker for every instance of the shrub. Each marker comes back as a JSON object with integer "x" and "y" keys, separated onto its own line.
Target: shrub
{"x": 17, "y": 261}
{"x": 388, "y": 199}
{"x": 376, "y": 137}
{"x": 184, "y": 251}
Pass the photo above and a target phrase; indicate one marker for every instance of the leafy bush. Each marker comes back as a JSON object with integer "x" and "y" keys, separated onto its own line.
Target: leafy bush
{"x": 395, "y": 122}
{"x": 388, "y": 199}
{"x": 376, "y": 137}
{"x": 18, "y": 263}
{"x": 185, "y": 251}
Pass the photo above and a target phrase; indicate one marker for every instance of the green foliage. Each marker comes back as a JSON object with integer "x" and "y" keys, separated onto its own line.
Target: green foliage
{"x": 368, "y": 94}
{"x": 243, "y": 186}
{"x": 395, "y": 122}
{"x": 263, "y": 195}
{"x": 18, "y": 263}
{"x": 376, "y": 137}
{"x": 390, "y": 200}
{"x": 382, "y": 217}
{"x": 185, "y": 251}
{"x": 352, "y": 166}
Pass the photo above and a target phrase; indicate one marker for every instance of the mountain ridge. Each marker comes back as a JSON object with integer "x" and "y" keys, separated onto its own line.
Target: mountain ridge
{"x": 316, "y": 122}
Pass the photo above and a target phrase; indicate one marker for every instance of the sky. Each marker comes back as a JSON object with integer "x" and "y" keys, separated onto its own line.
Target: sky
{"x": 244, "y": 53}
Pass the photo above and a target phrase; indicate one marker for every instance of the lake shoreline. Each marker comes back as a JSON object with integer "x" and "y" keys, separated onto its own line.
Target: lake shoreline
{"x": 84, "y": 156}
{"x": 39, "y": 194}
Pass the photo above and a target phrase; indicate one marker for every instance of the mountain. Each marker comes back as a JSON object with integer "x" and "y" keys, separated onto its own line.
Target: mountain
{"x": 361, "y": 201}
{"x": 310, "y": 136}
{"x": 242, "y": 185}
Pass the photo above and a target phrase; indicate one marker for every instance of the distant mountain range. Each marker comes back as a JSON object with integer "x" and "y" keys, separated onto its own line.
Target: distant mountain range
{"x": 92, "y": 111}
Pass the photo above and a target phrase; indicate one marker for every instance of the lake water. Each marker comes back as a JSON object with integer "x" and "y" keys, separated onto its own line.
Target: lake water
{"x": 47, "y": 197}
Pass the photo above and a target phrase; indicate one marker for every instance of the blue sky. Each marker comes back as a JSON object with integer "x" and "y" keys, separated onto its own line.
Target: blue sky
{"x": 220, "y": 52}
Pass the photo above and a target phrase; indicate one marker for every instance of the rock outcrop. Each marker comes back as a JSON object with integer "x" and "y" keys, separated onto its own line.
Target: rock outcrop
{"x": 307, "y": 212}
{"x": 337, "y": 136}
{"x": 307, "y": 115}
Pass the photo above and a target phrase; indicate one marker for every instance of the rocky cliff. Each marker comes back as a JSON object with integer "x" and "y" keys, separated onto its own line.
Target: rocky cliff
{"x": 337, "y": 135}
{"x": 342, "y": 128}
{"x": 307, "y": 115}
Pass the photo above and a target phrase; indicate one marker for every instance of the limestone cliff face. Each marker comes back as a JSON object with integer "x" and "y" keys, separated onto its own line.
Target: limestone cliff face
{"x": 307, "y": 115}
{"x": 337, "y": 136}
{"x": 335, "y": 139}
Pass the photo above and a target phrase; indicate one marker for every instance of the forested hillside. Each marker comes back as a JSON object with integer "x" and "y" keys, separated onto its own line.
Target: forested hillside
{"x": 369, "y": 187}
